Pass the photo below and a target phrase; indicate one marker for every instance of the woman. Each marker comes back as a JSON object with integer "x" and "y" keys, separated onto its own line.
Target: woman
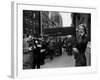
{"x": 80, "y": 47}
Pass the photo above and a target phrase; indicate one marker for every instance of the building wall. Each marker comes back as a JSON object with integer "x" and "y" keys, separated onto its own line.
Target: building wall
{"x": 31, "y": 23}
{"x": 82, "y": 18}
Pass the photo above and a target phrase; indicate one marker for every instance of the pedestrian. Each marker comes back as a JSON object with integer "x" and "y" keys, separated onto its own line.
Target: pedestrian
{"x": 59, "y": 45}
{"x": 37, "y": 55}
{"x": 51, "y": 49}
{"x": 43, "y": 52}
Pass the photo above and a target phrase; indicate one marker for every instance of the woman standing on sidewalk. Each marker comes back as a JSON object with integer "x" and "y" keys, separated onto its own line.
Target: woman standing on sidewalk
{"x": 80, "y": 47}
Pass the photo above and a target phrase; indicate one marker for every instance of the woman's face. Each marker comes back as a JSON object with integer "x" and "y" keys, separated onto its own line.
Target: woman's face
{"x": 81, "y": 30}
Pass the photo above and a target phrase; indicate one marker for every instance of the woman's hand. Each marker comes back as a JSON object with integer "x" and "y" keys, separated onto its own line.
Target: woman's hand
{"x": 75, "y": 50}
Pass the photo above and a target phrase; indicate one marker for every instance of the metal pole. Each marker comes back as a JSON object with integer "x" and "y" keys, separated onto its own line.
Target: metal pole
{"x": 41, "y": 23}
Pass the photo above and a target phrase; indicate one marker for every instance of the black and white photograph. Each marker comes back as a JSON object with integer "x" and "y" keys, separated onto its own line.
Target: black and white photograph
{"x": 56, "y": 39}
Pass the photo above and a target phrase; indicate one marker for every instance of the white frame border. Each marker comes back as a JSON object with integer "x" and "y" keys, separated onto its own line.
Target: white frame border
{"x": 17, "y": 70}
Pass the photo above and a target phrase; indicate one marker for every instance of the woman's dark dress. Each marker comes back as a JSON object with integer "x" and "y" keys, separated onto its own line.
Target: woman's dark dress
{"x": 80, "y": 58}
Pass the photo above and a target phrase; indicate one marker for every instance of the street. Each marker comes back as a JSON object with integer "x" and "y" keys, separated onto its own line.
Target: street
{"x": 62, "y": 61}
